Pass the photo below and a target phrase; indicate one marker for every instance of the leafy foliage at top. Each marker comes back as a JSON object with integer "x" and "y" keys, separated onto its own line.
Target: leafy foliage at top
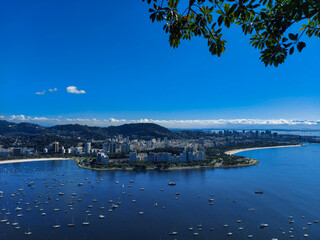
{"x": 266, "y": 21}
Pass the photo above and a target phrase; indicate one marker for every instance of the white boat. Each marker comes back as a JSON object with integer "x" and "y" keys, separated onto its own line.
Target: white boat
{"x": 72, "y": 224}
{"x": 229, "y": 234}
{"x": 101, "y": 216}
{"x": 264, "y": 225}
{"x": 114, "y": 206}
{"x": 27, "y": 233}
{"x": 141, "y": 213}
{"x": 173, "y": 233}
{"x": 56, "y": 226}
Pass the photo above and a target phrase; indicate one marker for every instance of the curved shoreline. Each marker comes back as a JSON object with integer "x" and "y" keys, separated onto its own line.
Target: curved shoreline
{"x": 229, "y": 152}
{"x": 23, "y": 160}
{"x": 32, "y": 160}
{"x": 235, "y": 151}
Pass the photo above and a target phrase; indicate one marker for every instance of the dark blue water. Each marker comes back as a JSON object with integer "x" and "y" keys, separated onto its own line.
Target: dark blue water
{"x": 289, "y": 178}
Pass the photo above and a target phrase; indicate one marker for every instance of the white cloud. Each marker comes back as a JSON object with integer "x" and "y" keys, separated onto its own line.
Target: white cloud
{"x": 74, "y": 89}
{"x": 41, "y": 93}
{"x": 211, "y": 123}
{"x": 44, "y": 91}
{"x": 53, "y": 89}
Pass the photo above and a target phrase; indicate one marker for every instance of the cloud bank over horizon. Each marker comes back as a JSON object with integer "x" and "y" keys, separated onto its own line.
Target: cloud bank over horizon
{"x": 200, "y": 124}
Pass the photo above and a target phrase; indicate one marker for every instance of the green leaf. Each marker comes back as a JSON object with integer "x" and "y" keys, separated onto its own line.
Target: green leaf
{"x": 293, "y": 37}
{"x": 291, "y": 50}
{"x": 300, "y": 46}
{"x": 220, "y": 19}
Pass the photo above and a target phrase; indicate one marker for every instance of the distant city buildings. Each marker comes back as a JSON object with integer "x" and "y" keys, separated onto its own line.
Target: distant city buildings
{"x": 189, "y": 147}
{"x": 189, "y": 154}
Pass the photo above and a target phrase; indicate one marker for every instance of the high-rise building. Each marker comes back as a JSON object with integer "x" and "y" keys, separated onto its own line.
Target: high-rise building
{"x": 55, "y": 146}
{"x": 133, "y": 156}
{"x": 164, "y": 157}
{"x": 103, "y": 158}
{"x": 17, "y": 152}
{"x": 152, "y": 157}
{"x": 125, "y": 147}
{"x": 77, "y": 150}
{"x": 88, "y": 148}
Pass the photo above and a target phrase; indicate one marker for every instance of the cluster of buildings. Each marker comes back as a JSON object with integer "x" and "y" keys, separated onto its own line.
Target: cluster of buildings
{"x": 16, "y": 151}
{"x": 54, "y": 148}
{"x": 189, "y": 154}
{"x": 193, "y": 144}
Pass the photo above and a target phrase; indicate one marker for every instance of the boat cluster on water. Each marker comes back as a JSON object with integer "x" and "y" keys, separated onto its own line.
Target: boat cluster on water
{"x": 54, "y": 192}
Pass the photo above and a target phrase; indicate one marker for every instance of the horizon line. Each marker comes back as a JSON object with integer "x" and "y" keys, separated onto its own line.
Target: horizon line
{"x": 240, "y": 123}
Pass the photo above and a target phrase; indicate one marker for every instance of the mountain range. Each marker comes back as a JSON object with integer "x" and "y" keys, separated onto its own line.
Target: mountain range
{"x": 83, "y": 131}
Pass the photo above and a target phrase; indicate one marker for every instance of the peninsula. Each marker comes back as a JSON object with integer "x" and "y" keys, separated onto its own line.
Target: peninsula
{"x": 144, "y": 146}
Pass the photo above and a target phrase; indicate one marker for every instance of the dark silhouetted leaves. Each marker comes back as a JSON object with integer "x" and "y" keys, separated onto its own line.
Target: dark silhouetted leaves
{"x": 267, "y": 21}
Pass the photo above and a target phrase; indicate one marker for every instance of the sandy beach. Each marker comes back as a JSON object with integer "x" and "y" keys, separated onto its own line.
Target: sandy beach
{"x": 31, "y": 160}
{"x": 234, "y": 151}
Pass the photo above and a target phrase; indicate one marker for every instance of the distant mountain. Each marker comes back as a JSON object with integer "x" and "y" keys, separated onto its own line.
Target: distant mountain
{"x": 83, "y": 131}
{"x": 20, "y": 129}
{"x": 140, "y": 129}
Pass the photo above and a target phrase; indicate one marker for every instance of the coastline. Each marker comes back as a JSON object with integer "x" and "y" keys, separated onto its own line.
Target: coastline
{"x": 255, "y": 162}
{"x": 32, "y": 160}
{"x": 252, "y": 163}
{"x": 235, "y": 151}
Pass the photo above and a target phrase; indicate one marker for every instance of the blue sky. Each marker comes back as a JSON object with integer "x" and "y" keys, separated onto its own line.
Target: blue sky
{"x": 126, "y": 68}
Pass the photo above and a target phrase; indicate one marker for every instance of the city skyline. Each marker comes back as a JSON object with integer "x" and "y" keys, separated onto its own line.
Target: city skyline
{"x": 81, "y": 65}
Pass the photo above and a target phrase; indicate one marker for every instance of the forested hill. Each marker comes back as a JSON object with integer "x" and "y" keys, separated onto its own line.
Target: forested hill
{"x": 83, "y": 131}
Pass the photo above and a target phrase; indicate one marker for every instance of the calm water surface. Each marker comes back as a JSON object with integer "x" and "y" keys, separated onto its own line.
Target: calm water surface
{"x": 289, "y": 178}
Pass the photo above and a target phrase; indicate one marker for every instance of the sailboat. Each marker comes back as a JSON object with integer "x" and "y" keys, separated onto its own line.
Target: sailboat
{"x": 27, "y": 233}
{"x": 86, "y": 223}
{"x": 173, "y": 233}
{"x": 72, "y": 224}
{"x": 57, "y": 225}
